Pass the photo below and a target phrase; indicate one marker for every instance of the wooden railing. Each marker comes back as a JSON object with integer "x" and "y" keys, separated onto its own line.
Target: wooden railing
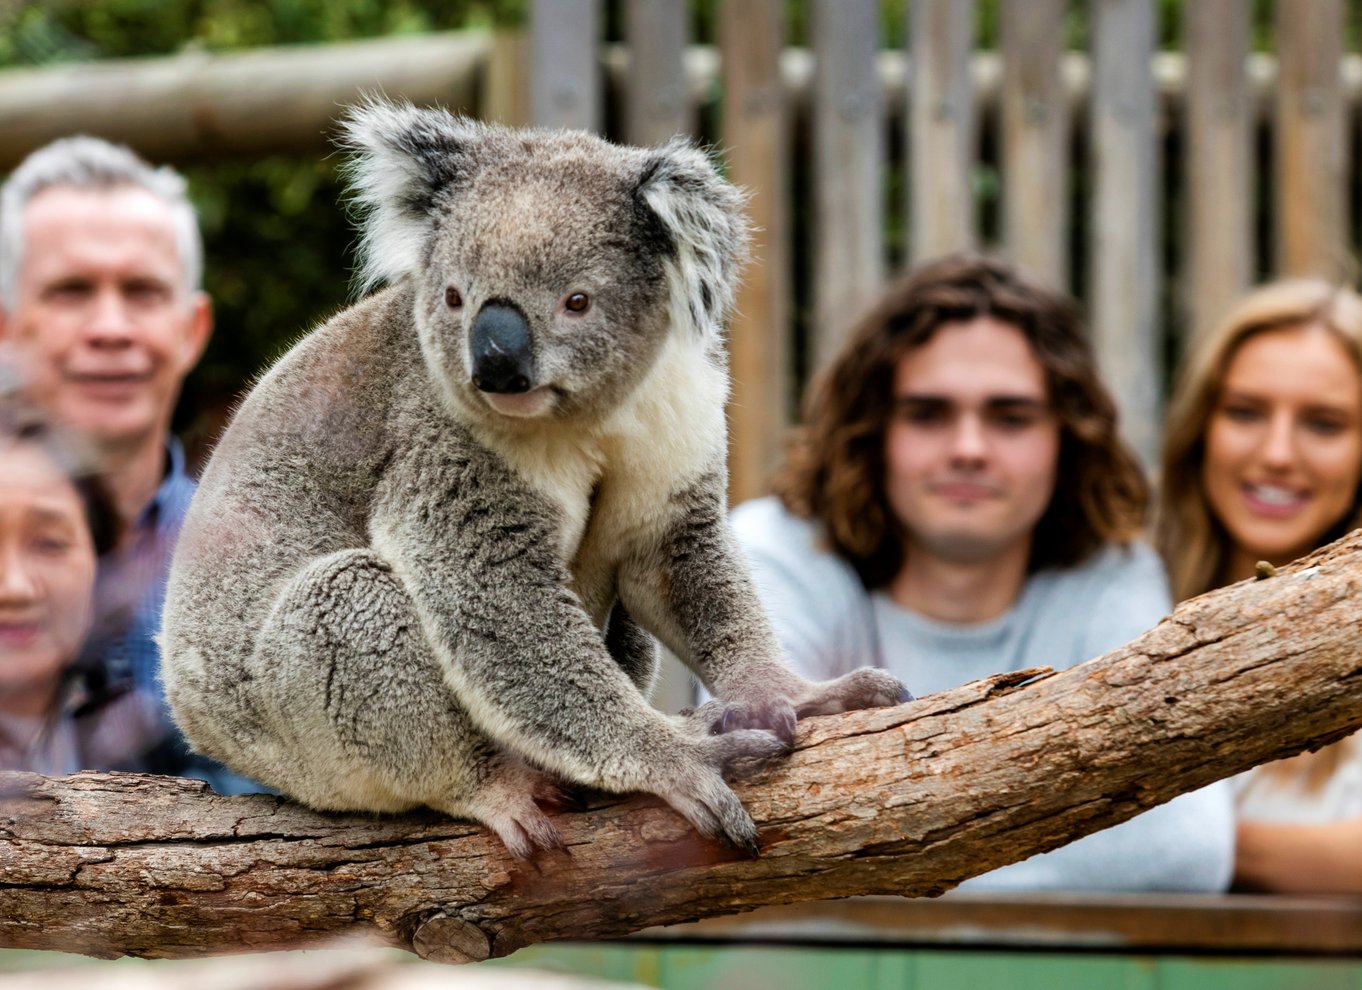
{"x": 1168, "y": 923}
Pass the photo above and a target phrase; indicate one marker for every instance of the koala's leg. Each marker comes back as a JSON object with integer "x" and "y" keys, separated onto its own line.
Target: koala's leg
{"x": 633, "y": 649}
{"x": 369, "y": 721}
{"x": 478, "y": 554}
{"x": 695, "y": 593}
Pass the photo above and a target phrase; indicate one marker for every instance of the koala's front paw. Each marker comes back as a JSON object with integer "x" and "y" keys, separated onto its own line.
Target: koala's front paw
{"x": 776, "y": 715}
{"x": 699, "y": 793}
{"x": 868, "y": 687}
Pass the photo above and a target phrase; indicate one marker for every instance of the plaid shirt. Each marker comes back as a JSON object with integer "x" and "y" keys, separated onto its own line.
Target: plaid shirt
{"x": 121, "y": 655}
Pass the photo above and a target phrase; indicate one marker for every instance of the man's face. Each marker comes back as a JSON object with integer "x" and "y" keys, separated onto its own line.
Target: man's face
{"x": 104, "y": 325}
{"x": 972, "y": 445}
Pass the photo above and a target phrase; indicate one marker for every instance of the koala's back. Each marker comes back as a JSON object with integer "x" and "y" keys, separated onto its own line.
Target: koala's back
{"x": 290, "y": 480}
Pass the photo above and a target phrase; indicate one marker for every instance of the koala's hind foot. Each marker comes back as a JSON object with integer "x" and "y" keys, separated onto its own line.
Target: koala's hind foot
{"x": 342, "y": 627}
{"x": 507, "y": 802}
{"x": 777, "y": 713}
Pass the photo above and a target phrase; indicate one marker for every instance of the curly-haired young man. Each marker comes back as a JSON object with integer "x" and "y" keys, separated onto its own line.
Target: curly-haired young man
{"x": 959, "y": 503}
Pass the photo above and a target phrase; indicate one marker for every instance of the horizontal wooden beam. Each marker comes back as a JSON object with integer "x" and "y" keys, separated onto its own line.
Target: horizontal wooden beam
{"x": 255, "y": 102}
{"x": 285, "y": 99}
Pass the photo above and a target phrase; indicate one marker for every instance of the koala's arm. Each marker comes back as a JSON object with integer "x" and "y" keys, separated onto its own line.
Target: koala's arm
{"x": 475, "y": 552}
{"x": 694, "y": 592}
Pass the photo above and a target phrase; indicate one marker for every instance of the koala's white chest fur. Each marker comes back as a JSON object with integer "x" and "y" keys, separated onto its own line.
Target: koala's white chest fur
{"x": 612, "y": 484}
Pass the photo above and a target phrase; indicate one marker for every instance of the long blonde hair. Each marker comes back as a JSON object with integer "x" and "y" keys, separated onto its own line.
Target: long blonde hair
{"x": 1194, "y": 544}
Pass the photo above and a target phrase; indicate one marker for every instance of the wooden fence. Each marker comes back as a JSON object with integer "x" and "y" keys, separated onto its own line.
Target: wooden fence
{"x": 1129, "y": 176}
{"x": 1156, "y": 185}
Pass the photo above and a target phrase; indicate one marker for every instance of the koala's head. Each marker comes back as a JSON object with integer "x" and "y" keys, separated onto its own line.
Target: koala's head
{"x": 549, "y": 266}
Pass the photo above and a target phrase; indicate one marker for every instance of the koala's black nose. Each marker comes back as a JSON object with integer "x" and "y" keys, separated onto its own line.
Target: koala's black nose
{"x": 503, "y": 361}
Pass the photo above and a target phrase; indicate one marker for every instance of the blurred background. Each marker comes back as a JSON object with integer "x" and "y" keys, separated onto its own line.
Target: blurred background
{"x": 1153, "y": 156}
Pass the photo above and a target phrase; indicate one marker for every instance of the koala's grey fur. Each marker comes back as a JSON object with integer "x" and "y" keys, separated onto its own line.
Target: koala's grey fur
{"x": 393, "y": 589}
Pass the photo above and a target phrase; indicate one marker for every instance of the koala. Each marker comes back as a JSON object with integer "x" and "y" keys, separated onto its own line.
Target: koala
{"x": 430, "y": 554}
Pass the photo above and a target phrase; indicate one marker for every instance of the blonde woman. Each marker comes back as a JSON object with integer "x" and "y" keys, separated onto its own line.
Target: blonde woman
{"x": 1263, "y": 461}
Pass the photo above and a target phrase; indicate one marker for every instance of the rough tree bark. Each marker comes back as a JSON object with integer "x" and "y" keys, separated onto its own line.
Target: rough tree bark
{"x": 907, "y": 800}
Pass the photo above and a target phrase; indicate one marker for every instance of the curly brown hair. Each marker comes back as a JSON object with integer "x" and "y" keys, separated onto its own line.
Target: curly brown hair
{"x": 834, "y": 469}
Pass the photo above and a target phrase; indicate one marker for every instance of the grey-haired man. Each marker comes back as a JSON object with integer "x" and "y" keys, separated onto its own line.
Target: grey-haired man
{"x": 101, "y": 308}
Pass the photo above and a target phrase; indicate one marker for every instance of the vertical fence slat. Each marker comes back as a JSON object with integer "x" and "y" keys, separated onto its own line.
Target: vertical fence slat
{"x": 1310, "y": 203}
{"x": 755, "y": 134}
{"x": 1034, "y": 117}
{"x": 848, "y": 168}
{"x": 565, "y": 81}
{"x": 506, "y": 92}
{"x": 1124, "y": 272}
{"x": 940, "y": 127}
{"x": 1219, "y": 177}
{"x": 656, "y": 106}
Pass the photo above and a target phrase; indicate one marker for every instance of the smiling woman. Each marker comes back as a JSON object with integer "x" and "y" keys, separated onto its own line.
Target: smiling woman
{"x": 54, "y": 520}
{"x": 1263, "y": 449}
{"x": 1263, "y": 462}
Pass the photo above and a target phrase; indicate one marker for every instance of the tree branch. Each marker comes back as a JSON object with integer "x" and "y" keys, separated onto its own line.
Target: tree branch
{"x": 907, "y": 800}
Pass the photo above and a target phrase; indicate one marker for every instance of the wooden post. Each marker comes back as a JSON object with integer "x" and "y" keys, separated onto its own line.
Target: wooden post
{"x": 1035, "y": 139}
{"x": 1219, "y": 175}
{"x": 940, "y": 128}
{"x": 1124, "y": 211}
{"x": 1310, "y": 207}
{"x": 848, "y": 131}
{"x": 756, "y": 136}
{"x": 506, "y": 86}
{"x": 656, "y": 105}
{"x": 565, "y": 87}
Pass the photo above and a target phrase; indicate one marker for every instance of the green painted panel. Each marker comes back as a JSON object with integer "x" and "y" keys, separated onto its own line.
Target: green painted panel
{"x": 1259, "y": 974}
{"x": 1030, "y": 971}
{"x": 704, "y": 968}
{"x": 628, "y": 963}
{"x": 726, "y": 967}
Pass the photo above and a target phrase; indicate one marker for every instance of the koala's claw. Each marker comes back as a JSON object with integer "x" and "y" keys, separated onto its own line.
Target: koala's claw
{"x": 723, "y": 717}
{"x": 744, "y": 749}
{"x": 698, "y": 792}
{"x": 524, "y": 830}
{"x": 506, "y": 803}
{"x": 778, "y": 719}
{"x": 716, "y": 813}
{"x": 868, "y": 687}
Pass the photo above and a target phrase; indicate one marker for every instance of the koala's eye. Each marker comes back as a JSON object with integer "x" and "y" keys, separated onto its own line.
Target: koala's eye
{"x": 452, "y": 298}
{"x": 578, "y": 302}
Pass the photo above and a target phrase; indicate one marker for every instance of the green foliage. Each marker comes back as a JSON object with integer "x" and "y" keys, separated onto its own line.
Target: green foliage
{"x": 277, "y": 264}
{"x": 39, "y": 32}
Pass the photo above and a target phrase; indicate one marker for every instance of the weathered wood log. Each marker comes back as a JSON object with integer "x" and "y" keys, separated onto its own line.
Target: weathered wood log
{"x": 200, "y": 104}
{"x": 907, "y": 800}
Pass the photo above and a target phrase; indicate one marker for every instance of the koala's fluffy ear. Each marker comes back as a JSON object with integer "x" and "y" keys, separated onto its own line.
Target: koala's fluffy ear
{"x": 702, "y": 215}
{"x": 402, "y": 159}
